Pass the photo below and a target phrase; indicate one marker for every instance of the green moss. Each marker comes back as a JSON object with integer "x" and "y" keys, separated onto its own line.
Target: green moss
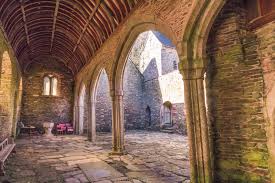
{"x": 259, "y": 133}
{"x": 228, "y": 164}
{"x": 256, "y": 178}
{"x": 239, "y": 177}
{"x": 256, "y": 158}
{"x": 234, "y": 53}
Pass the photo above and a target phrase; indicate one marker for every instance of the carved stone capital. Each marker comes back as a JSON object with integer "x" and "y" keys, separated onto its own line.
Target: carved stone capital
{"x": 116, "y": 93}
{"x": 193, "y": 74}
{"x": 192, "y": 69}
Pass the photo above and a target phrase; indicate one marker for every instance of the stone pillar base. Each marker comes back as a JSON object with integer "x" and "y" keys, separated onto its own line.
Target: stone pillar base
{"x": 117, "y": 153}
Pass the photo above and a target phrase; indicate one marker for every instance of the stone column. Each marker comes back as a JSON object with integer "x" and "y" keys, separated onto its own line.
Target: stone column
{"x": 76, "y": 119}
{"x": 117, "y": 122}
{"x": 91, "y": 121}
{"x": 197, "y": 125}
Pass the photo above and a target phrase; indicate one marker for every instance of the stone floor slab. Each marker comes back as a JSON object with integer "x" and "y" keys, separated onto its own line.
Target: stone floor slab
{"x": 96, "y": 171}
{"x": 152, "y": 157}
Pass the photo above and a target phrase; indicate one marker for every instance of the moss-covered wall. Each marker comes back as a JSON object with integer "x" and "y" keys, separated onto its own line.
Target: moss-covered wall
{"x": 237, "y": 105}
{"x": 266, "y": 50}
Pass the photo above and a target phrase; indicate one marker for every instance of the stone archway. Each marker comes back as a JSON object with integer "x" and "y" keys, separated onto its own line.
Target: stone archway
{"x": 93, "y": 99}
{"x": 166, "y": 114}
{"x": 117, "y": 76}
{"x": 192, "y": 66}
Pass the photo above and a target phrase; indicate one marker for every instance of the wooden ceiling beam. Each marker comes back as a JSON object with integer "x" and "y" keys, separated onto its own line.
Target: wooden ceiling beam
{"x": 98, "y": 2}
{"x": 73, "y": 30}
{"x": 54, "y": 23}
{"x": 25, "y": 23}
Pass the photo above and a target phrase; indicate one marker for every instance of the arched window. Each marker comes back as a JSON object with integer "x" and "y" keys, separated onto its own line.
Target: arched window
{"x": 54, "y": 87}
{"x": 50, "y": 85}
{"x": 47, "y": 86}
{"x": 175, "y": 64}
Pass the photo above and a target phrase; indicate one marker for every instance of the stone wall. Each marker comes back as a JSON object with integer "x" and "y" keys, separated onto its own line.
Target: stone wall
{"x": 236, "y": 103}
{"x": 133, "y": 97}
{"x": 162, "y": 81}
{"x": 39, "y": 108}
{"x": 10, "y": 90}
{"x": 266, "y": 51}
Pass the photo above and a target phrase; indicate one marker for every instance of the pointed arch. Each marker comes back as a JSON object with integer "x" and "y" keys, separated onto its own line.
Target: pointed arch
{"x": 99, "y": 70}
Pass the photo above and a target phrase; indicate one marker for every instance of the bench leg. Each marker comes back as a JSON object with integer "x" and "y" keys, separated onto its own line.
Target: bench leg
{"x": 2, "y": 171}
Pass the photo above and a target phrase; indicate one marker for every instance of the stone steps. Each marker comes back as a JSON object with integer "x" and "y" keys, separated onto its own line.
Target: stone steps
{"x": 167, "y": 130}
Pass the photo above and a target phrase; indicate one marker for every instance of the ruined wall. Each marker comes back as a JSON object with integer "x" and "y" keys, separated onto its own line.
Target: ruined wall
{"x": 158, "y": 64}
{"x": 39, "y": 108}
{"x": 133, "y": 97}
{"x": 236, "y": 103}
{"x": 150, "y": 79}
{"x": 10, "y": 90}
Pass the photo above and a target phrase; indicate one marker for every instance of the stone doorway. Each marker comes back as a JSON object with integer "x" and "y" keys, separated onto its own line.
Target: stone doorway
{"x": 148, "y": 117}
{"x": 167, "y": 114}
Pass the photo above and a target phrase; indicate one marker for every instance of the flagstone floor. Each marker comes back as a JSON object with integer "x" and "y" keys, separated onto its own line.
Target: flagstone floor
{"x": 152, "y": 157}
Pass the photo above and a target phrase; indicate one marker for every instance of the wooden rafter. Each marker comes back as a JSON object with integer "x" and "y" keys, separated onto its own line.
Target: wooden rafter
{"x": 70, "y": 30}
{"x": 25, "y": 23}
{"x": 98, "y": 2}
{"x": 54, "y": 22}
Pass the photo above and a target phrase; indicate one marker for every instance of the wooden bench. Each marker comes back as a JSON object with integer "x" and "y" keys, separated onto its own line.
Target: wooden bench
{"x": 6, "y": 148}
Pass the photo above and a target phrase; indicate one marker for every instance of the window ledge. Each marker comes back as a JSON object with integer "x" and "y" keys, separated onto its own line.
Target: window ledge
{"x": 260, "y": 21}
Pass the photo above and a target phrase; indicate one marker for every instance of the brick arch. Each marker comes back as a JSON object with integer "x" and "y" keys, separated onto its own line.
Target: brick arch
{"x": 92, "y": 98}
{"x": 126, "y": 44}
{"x": 94, "y": 81}
{"x": 195, "y": 35}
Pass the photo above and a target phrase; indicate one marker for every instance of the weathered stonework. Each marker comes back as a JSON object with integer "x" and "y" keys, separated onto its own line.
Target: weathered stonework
{"x": 133, "y": 98}
{"x": 236, "y": 103}
{"x": 39, "y": 108}
{"x": 10, "y": 90}
{"x": 240, "y": 91}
